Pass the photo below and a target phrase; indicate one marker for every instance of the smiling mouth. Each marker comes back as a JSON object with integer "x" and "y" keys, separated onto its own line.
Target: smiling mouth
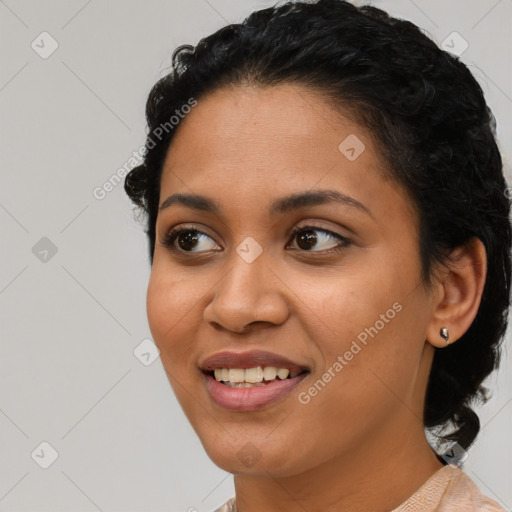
{"x": 252, "y": 377}
{"x": 230, "y": 389}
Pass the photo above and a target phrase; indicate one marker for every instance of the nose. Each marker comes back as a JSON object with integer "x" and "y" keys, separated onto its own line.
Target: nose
{"x": 249, "y": 293}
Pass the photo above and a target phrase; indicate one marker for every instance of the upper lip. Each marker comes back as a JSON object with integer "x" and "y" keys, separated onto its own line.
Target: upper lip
{"x": 249, "y": 359}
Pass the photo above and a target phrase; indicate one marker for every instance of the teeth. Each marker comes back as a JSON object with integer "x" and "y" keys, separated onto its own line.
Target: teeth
{"x": 236, "y": 375}
{"x": 269, "y": 372}
{"x": 243, "y": 384}
{"x": 252, "y": 375}
{"x": 282, "y": 373}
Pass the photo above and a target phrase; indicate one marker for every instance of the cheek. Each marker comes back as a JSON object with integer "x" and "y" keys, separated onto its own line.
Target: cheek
{"x": 171, "y": 319}
{"x": 347, "y": 303}
{"x": 159, "y": 307}
{"x": 375, "y": 324}
{"x": 173, "y": 311}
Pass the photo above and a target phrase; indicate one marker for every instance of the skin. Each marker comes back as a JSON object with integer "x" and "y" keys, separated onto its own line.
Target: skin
{"x": 359, "y": 444}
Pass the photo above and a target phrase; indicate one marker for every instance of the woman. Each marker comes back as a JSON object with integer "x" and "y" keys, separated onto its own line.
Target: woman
{"x": 328, "y": 229}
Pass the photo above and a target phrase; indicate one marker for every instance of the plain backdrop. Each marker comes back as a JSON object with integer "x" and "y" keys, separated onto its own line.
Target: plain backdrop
{"x": 73, "y": 373}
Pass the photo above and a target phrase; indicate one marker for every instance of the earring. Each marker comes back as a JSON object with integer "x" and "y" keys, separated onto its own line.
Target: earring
{"x": 444, "y": 334}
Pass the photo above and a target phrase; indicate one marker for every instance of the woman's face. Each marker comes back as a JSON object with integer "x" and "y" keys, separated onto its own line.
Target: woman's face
{"x": 341, "y": 298}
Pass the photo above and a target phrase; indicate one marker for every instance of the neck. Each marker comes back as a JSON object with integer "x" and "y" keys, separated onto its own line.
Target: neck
{"x": 370, "y": 478}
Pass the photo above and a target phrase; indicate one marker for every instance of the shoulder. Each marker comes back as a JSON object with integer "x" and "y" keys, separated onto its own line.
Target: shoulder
{"x": 447, "y": 490}
{"x": 462, "y": 493}
{"x": 229, "y": 506}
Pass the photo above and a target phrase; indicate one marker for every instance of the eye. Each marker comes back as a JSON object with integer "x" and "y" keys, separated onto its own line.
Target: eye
{"x": 307, "y": 237}
{"x": 188, "y": 240}
{"x": 192, "y": 240}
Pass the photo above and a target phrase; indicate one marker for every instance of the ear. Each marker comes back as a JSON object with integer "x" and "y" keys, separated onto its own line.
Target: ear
{"x": 458, "y": 289}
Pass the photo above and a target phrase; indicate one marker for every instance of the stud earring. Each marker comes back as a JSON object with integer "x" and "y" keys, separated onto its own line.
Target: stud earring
{"x": 444, "y": 334}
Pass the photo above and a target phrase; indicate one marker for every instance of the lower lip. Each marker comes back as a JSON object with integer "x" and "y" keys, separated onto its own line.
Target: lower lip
{"x": 249, "y": 399}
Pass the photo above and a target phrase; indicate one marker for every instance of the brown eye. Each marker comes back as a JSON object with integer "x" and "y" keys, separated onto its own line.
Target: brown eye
{"x": 306, "y": 239}
{"x": 323, "y": 240}
{"x": 188, "y": 240}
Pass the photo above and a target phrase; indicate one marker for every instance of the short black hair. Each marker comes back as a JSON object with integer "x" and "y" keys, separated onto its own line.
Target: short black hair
{"x": 431, "y": 123}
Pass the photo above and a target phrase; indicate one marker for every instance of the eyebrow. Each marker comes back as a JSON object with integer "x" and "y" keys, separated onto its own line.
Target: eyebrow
{"x": 277, "y": 207}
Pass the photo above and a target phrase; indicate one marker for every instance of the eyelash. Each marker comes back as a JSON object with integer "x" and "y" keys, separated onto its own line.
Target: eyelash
{"x": 170, "y": 239}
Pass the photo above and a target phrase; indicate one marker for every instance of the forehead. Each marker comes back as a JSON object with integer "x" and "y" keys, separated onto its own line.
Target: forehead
{"x": 242, "y": 142}
{"x": 287, "y": 120}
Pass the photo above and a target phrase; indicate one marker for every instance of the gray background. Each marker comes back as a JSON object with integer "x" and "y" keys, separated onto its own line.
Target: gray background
{"x": 70, "y": 321}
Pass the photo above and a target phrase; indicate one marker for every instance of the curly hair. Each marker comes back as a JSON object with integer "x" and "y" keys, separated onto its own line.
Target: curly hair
{"x": 431, "y": 123}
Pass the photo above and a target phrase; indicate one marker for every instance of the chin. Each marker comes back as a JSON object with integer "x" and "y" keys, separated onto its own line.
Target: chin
{"x": 245, "y": 457}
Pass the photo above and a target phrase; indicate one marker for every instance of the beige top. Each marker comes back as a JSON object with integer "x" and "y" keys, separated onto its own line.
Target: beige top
{"x": 449, "y": 489}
